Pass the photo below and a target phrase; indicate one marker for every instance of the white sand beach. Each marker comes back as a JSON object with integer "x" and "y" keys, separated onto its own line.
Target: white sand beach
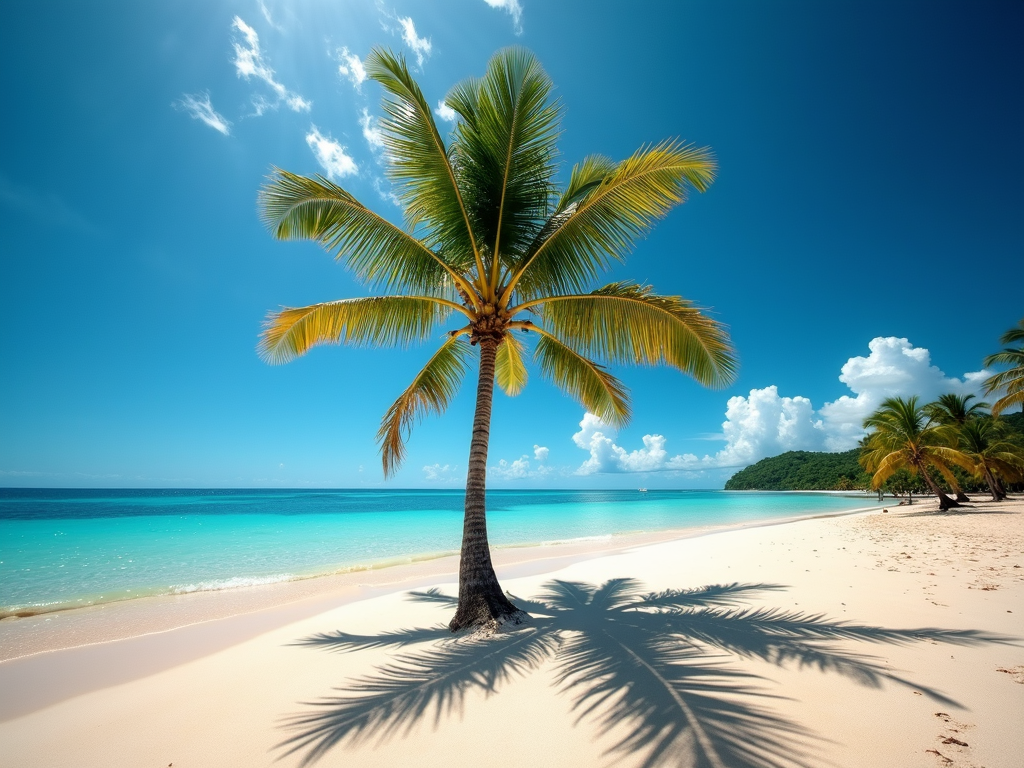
{"x": 875, "y": 639}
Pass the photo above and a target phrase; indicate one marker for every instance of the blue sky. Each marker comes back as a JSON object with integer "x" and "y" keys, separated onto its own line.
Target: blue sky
{"x": 865, "y": 235}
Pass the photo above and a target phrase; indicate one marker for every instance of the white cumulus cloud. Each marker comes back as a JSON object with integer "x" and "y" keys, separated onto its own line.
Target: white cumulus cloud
{"x": 200, "y": 108}
{"x": 514, "y": 9}
{"x": 418, "y": 45}
{"x": 438, "y": 473}
{"x": 330, "y": 154}
{"x": 445, "y": 112}
{"x": 351, "y": 67}
{"x": 249, "y": 63}
{"x": 540, "y": 453}
{"x": 764, "y": 423}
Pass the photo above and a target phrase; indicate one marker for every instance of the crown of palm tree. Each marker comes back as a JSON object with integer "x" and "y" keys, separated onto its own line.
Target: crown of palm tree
{"x": 951, "y": 409}
{"x": 905, "y": 437}
{"x": 1012, "y": 380}
{"x": 491, "y": 242}
{"x": 983, "y": 442}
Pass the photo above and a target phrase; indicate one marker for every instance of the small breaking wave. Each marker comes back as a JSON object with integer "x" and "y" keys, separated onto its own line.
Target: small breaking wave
{"x": 233, "y": 583}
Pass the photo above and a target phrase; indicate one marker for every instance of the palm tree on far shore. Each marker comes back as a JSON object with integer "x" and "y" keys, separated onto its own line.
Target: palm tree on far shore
{"x": 491, "y": 242}
{"x": 982, "y": 442}
{"x": 905, "y": 438}
{"x": 1011, "y": 380}
{"x": 952, "y": 412}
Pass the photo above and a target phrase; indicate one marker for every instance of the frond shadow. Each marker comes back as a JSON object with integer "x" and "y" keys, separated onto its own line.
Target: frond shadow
{"x": 656, "y": 661}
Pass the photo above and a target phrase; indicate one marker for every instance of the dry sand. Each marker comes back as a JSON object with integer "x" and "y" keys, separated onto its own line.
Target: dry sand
{"x": 868, "y": 640}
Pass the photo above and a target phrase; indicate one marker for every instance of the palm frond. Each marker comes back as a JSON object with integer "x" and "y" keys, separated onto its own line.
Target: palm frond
{"x": 505, "y": 154}
{"x": 605, "y": 223}
{"x": 509, "y": 368}
{"x": 380, "y": 254}
{"x": 418, "y": 162}
{"x": 432, "y": 390}
{"x": 628, "y": 323}
{"x": 376, "y": 321}
{"x": 584, "y": 380}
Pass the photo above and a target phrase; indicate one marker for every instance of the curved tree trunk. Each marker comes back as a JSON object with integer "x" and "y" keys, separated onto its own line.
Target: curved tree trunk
{"x": 482, "y": 604}
{"x": 991, "y": 484}
{"x": 944, "y": 501}
{"x": 1000, "y": 489}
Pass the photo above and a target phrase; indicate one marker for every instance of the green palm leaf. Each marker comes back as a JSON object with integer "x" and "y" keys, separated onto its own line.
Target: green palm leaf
{"x": 431, "y": 391}
{"x": 385, "y": 321}
{"x": 604, "y": 224}
{"x": 583, "y": 380}
{"x": 418, "y": 163}
{"x": 509, "y": 367}
{"x": 504, "y": 153}
{"x": 629, "y": 323}
{"x": 379, "y": 253}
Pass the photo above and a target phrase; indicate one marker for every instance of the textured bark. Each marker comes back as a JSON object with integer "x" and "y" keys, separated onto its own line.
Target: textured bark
{"x": 991, "y": 484}
{"x": 1000, "y": 489}
{"x": 482, "y": 604}
{"x": 944, "y": 501}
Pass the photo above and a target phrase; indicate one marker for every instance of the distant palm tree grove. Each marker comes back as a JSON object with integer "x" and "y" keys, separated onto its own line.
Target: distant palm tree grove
{"x": 493, "y": 244}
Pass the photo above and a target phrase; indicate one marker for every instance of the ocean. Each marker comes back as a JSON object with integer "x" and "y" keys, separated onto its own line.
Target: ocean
{"x": 62, "y": 548}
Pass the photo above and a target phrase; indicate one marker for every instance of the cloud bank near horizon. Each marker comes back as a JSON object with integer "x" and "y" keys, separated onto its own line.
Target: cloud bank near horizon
{"x": 765, "y": 423}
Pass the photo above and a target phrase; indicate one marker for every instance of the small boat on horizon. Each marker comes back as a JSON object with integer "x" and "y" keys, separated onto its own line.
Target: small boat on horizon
{"x": 643, "y": 490}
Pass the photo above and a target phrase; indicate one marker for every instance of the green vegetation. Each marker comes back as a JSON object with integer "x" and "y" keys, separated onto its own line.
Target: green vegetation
{"x": 802, "y": 471}
{"x": 491, "y": 242}
{"x": 905, "y": 437}
{"x": 1012, "y": 380}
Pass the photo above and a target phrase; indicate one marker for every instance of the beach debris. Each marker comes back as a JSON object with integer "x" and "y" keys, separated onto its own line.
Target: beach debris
{"x": 936, "y": 752}
{"x": 1016, "y": 673}
{"x": 951, "y": 740}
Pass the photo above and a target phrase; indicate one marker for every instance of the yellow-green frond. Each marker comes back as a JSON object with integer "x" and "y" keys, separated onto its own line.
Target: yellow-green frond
{"x": 584, "y": 380}
{"x": 888, "y": 466}
{"x": 431, "y": 391}
{"x": 630, "y": 324}
{"x": 376, "y": 321}
{"x": 379, "y": 253}
{"x": 418, "y": 162}
{"x": 509, "y": 368}
{"x": 604, "y": 224}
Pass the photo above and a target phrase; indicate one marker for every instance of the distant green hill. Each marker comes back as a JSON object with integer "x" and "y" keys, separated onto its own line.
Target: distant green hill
{"x": 802, "y": 471}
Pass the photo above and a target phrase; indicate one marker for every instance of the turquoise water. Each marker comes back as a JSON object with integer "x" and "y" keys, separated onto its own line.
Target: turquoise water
{"x": 76, "y": 547}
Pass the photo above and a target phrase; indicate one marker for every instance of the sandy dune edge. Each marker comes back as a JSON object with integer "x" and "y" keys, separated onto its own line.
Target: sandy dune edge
{"x": 605, "y": 676}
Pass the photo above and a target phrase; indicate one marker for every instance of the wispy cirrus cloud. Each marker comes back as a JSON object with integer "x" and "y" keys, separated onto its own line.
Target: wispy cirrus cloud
{"x": 351, "y": 67}
{"x": 330, "y": 154}
{"x": 371, "y": 131}
{"x": 514, "y": 9}
{"x": 250, "y": 63}
{"x": 198, "y": 106}
{"x": 420, "y": 46}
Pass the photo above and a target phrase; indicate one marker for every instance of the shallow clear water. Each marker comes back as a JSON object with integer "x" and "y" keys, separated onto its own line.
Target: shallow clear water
{"x": 75, "y": 547}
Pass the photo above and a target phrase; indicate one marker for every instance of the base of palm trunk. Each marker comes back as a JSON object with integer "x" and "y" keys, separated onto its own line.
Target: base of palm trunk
{"x": 947, "y": 503}
{"x": 487, "y": 610}
{"x": 962, "y": 497}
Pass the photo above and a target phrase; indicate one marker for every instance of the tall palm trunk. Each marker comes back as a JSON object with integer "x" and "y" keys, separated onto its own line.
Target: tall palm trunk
{"x": 944, "y": 501}
{"x": 481, "y": 601}
{"x": 1000, "y": 488}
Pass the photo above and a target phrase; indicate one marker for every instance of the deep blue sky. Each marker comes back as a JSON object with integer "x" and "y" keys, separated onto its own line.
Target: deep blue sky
{"x": 871, "y": 185}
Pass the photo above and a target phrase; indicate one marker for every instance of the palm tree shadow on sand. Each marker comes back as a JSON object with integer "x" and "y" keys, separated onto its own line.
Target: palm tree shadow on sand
{"x": 657, "y": 661}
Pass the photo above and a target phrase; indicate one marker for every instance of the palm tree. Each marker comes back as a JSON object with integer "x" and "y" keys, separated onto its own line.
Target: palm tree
{"x": 1013, "y": 379}
{"x": 492, "y": 242}
{"x": 982, "y": 442}
{"x": 952, "y": 412}
{"x": 905, "y": 438}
